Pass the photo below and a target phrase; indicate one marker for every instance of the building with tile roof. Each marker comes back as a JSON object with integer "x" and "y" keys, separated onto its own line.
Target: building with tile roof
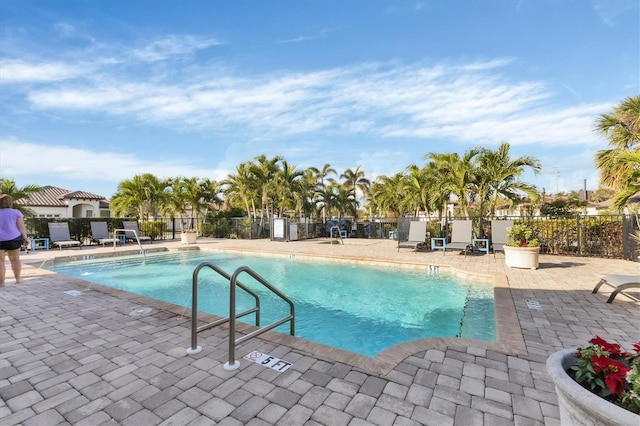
{"x": 61, "y": 203}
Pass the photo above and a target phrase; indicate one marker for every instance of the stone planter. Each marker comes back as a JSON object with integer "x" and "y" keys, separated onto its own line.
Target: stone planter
{"x": 188, "y": 237}
{"x": 521, "y": 257}
{"x": 579, "y": 406}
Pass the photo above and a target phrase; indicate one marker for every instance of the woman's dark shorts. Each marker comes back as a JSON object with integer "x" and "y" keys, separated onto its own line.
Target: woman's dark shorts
{"x": 11, "y": 244}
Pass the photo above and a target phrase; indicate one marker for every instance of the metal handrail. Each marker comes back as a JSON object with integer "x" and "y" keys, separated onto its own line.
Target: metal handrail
{"x": 339, "y": 232}
{"x": 232, "y": 364}
{"x": 194, "y": 349}
{"x": 135, "y": 234}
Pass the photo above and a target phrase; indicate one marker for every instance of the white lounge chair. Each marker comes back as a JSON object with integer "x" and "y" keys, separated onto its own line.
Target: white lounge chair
{"x": 499, "y": 234}
{"x": 60, "y": 236}
{"x": 461, "y": 235}
{"x": 133, "y": 226}
{"x": 100, "y": 233}
{"x": 417, "y": 236}
{"x": 620, "y": 283}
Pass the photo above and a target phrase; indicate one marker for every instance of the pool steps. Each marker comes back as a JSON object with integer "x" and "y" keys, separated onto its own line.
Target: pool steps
{"x": 233, "y": 364}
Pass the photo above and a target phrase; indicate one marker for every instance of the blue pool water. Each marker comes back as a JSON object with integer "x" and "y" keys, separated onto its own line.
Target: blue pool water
{"x": 352, "y": 307}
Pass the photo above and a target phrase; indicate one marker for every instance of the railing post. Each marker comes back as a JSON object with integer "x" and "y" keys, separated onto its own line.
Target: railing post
{"x": 194, "y": 349}
{"x": 232, "y": 364}
{"x": 578, "y": 234}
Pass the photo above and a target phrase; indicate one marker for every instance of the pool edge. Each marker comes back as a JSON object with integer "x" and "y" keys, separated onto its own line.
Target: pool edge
{"x": 509, "y": 337}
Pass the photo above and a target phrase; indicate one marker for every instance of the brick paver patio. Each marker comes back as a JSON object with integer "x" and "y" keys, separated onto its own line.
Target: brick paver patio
{"x": 100, "y": 358}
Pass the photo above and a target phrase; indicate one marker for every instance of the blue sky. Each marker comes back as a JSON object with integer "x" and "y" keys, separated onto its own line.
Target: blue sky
{"x": 94, "y": 92}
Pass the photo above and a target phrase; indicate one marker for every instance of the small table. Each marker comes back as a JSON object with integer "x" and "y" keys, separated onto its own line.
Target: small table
{"x": 442, "y": 246}
{"x": 44, "y": 241}
{"x": 484, "y": 247}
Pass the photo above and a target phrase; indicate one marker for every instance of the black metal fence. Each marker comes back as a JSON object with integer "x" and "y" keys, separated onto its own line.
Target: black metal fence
{"x": 610, "y": 236}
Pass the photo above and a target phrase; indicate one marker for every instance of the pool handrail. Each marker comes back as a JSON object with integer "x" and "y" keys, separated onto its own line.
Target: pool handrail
{"x": 232, "y": 364}
{"x": 135, "y": 234}
{"x": 194, "y": 349}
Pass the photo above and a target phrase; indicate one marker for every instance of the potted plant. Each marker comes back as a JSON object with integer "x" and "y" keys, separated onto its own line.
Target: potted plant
{"x": 598, "y": 384}
{"x": 188, "y": 236}
{"x": 522, "y": 249}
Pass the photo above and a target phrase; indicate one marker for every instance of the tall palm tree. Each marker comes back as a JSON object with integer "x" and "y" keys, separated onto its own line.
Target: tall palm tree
{"x": 389, "y": 193}
{"x": 211, "y": 191}
{"x": 9, "y": 187}
{"x": 619, "y": 164}
{"x": 355, "y": 180}
{"x": 322, "y": 177}
{"x": 242, "y": 188}
{"x": 498, "y": 175}
{"x": 143, "y": 196}
{"x": 418, "y": 189}
{"x": 288, "y": 181}
{"x": 264, "y": 171}
{"x": 457, "y": 174}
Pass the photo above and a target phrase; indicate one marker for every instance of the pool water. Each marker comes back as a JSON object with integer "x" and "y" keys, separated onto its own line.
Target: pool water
{"x": 352, "y": 307}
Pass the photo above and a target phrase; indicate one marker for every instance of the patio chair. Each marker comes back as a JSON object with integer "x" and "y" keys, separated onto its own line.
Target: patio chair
{"x": 60, "y": 236}
{"x": 133, "y": 226}
{"x": 499, "y": 230}
{"x": 100, "y": 233}
{"x": 417, "y": 236}
{"x": 620, "y": 283}
{"x": 461, "y": 236}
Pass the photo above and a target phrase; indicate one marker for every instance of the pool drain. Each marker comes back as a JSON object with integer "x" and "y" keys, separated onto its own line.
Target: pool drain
{"x": 140, "y": 312}
{"x": 534, "y": 304}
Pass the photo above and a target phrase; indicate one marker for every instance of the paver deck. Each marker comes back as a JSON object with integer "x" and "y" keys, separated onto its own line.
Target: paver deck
{"x": 101, "y": 358}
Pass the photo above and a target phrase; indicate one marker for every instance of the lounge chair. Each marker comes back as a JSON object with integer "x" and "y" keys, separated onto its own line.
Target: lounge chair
{"x": 60, "y": 236}
{"x": 133, "y": 226}
{"x": 461, "y": 235}
{"x": 620, "y": 283}
{"x": 499, "y": 234}
{"x": 417, "y": 236}
{"x": 100, "y": 234}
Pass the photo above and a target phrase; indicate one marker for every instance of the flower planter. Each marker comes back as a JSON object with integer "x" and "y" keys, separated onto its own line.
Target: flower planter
{"x": 188, "y": 238}
{"x": 579, "y": 406}
{"x": 521, "y": 257}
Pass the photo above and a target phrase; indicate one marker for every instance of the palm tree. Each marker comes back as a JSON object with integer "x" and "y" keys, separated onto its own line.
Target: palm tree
{"x": 456, "y": 174}
{"x": 498, "y": 175}
{"x": 619, "y": 164}
{"x": 264, "y": 171}
{"x": 388, "y": 193}
{"x": 9, "y": 187}
{"x": 418, "y": 187}
{"x": 242, "y": 188}
{"x": 288, "y": 181}
{"x": 354, "y": 180}
{"x": 210, "y": 194}
{"x": 321, "y": 176}
{"x": 142, "y": 196}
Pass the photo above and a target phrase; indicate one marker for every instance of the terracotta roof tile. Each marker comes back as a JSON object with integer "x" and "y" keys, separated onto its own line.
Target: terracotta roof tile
{"x": 52, "y": 196}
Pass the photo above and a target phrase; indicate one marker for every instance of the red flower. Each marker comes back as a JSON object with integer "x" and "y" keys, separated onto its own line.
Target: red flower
{"x": 612, "y": 348}
{"x": 636, "y": 347}
{"x": 615, "y": 373}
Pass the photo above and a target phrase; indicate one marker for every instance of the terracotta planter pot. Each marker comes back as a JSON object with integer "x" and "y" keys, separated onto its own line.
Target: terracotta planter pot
{"x": 579, "y": 406}
{"x": 188, "y": 237}
{"x": 521, "y": 257}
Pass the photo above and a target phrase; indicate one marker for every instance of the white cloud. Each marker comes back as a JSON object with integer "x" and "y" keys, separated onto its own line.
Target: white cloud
{"x": 16, "y": 71}
{"x": 80, "y": 164}
{"x": 468, "y": 101}
{"x": 172, "y": 45}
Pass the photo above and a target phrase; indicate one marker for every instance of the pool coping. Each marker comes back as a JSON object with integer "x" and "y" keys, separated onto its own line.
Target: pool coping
{"x": 509, "y": 336}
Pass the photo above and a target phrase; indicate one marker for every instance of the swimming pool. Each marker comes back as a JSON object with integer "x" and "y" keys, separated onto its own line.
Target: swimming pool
{"x": 356, "y": 308}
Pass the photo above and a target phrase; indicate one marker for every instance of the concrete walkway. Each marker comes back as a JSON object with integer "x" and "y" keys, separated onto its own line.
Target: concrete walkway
{"x": 109, "y": 357}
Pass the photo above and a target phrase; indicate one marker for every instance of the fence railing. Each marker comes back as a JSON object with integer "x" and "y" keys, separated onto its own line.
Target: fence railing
{"x": 610, "y": 236}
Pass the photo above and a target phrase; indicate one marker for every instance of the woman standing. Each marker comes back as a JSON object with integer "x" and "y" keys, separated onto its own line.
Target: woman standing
{"x": 13, "y": 234}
